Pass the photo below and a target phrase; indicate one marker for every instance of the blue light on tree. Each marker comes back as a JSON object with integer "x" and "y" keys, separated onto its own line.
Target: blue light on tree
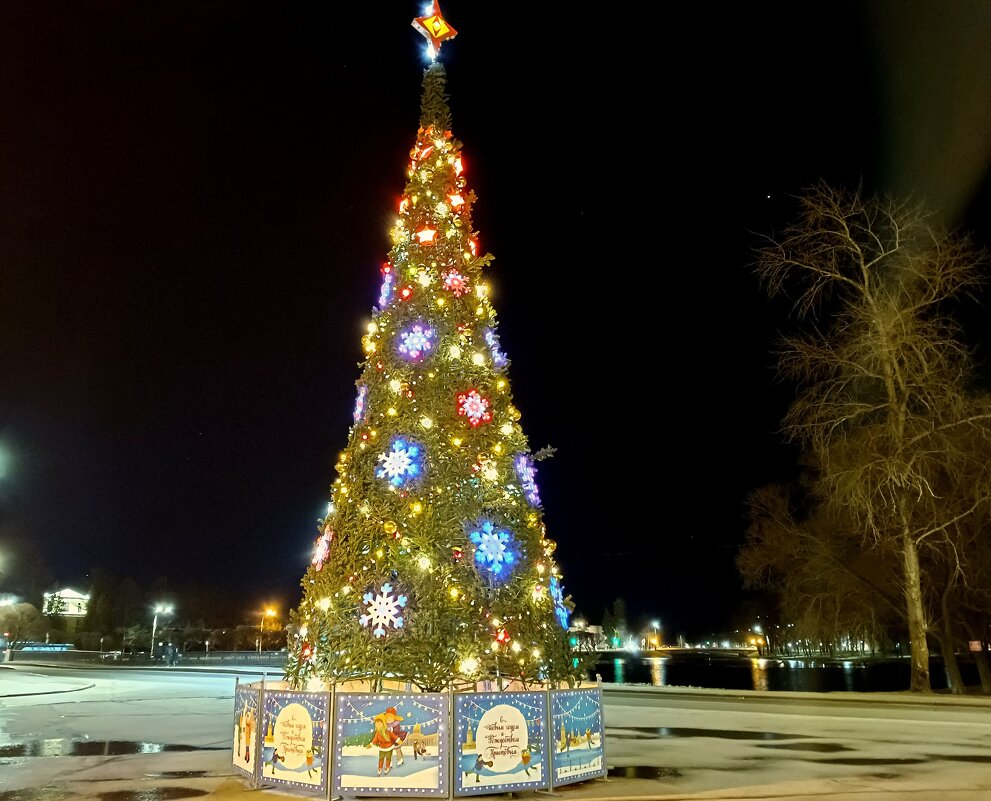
{"x": 496, "y": 549}
{"x": 499, "y": 358}
{"x": 402, "y": 464}
{"x": 527, "y": 472}
{"x": 557, "y": 595}
{"x": 388, "y": 280}
{"x": 359, "y": 404}
{"x": 415, "y": 342}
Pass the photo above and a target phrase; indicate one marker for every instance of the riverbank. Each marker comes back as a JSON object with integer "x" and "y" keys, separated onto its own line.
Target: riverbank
{"x": 740, "y": 670}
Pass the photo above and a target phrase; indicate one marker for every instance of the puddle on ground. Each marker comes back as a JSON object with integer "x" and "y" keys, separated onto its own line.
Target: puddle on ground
{"x": 821, "y": 748}
{"x": 61, "y": 747}
{"x": 979, "y": 758}
{"x": 722, "y": 734}
{"x": 151, "y": 794}
{"x": 177, "y": 774}
{"x": 147, "y": 794}
{"x": 38, "y": 794}
{"x": 869, "y": 761}
{"x": 643, "y": 772}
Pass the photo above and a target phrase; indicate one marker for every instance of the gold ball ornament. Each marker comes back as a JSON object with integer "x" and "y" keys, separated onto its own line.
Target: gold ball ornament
{"x": 390, "y": 526}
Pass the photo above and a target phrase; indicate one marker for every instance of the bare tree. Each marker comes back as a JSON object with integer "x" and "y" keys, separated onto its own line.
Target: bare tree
{"x": 20, "y": 623}
{"x": 882, "y": 371}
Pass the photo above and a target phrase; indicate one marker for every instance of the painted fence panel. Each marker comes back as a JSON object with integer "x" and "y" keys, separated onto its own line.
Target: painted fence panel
{"x": 500, "y": 742}
{"x": 295, "y": 741}
{"x": 577, "y": 743}
{"x": 391, "y": 744}
{"x": 244, "y": 755}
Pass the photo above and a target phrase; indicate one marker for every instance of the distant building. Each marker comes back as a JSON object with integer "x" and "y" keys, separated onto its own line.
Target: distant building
{"x": 74, "y": 606}
{"x": 587, "y": 637}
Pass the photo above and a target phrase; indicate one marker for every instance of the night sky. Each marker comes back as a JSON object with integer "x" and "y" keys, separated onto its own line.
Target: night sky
{"x": 195, "y": 199}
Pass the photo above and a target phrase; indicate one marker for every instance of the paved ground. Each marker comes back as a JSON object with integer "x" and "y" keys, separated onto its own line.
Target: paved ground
{"x": 208, "y": 774}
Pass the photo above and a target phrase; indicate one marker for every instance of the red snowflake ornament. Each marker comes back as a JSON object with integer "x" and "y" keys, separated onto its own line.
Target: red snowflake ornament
{"x": 455, "y": 283}
{"x": 474, "y": 407}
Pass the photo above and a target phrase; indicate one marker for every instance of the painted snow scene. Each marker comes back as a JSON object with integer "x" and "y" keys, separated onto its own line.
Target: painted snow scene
{"x": 576, "y": 723}
{"x": 501, "y": 742}
{"x": 389, "y": 744}
{"x": 295, "y": 739}
{"x": 245, "y": 729}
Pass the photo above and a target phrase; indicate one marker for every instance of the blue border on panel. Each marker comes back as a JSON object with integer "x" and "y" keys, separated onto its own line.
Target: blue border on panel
{"x": 501, "y": 742}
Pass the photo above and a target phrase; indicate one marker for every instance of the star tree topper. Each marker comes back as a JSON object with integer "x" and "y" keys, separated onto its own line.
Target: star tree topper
{"x": 435, "y": 29}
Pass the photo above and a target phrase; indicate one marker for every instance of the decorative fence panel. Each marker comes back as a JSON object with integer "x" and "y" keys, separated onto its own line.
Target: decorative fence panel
{"x": 352, "y": 743}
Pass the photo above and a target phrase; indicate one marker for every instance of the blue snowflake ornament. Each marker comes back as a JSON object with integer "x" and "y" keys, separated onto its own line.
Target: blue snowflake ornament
{"x": 402, "y": 464}
{"x": 496, "y": 550}
{"x": 416, "y": 342}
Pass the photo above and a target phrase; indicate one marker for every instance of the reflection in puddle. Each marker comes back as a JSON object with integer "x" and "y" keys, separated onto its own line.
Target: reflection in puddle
{"x": 62, "y": 747}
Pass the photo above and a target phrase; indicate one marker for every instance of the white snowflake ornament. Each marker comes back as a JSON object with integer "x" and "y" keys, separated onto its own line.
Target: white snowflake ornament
{"x": 384, "y": 609}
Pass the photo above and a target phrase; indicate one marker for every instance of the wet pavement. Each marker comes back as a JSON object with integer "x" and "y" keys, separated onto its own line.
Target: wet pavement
{"x": 706, "y": 753}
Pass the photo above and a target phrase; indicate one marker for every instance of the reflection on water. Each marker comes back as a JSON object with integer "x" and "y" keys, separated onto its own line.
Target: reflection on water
{"x": 758, "y": 673}
{"x": 658, "y": 671}
{"x": 730, "y": 671}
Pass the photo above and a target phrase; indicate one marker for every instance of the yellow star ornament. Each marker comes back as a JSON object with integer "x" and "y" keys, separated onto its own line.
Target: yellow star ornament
{"x": 435, "y": 29}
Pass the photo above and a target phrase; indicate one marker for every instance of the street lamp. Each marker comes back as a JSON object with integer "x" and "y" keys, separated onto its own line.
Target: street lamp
{"x": 261, "y": 626}
{"x": 160, "y": 609}
{"x": 656, "y": 624}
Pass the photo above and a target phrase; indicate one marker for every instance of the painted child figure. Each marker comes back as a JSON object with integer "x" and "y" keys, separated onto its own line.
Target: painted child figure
{"x": 398, "y": 733}
{"x": 480, "y": 762}
{"x": 385, "y": 739}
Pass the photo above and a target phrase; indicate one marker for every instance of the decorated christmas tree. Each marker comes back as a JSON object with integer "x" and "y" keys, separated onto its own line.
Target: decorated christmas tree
{"x": 433, "y": 565}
